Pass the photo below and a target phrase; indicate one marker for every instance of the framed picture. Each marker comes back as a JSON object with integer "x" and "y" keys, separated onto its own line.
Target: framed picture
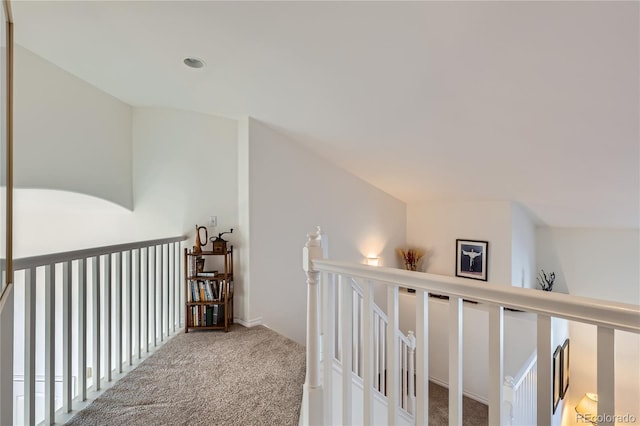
{"x": 471, "y": 259}
{"x": 565, "y": 368}
{"x": 557, "y": 377}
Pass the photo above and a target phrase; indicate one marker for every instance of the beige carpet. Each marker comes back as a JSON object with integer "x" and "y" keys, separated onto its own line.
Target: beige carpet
{"x": 474, "y": 413}
{"x": 249, "y": 376}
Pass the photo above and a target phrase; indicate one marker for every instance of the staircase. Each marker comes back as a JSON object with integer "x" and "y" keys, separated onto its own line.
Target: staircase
{"x": 346, "y": 330}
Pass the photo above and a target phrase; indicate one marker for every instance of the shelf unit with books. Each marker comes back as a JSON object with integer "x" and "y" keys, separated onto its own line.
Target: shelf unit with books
{"x": 208, "y": 293}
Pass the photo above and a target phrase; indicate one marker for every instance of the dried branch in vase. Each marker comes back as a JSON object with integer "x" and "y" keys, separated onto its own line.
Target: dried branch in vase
{"x": 410, "y": 257}
{"x": 546, "y": 281}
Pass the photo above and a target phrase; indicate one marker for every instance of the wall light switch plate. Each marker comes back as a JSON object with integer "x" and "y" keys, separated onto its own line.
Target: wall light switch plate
{"x": 213, "y": 220}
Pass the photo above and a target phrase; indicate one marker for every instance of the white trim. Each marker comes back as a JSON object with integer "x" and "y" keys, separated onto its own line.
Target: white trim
{"x": 621, "y": 316}
{"x": 250, "y": 323}
{"x": 468, "y": 394}
{"x": 36, "y": 261}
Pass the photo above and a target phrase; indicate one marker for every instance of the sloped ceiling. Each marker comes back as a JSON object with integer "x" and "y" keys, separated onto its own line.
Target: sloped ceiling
{"x": 536, "y": 102}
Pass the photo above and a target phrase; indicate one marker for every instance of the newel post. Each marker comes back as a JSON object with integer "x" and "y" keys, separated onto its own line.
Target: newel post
{"x": 312, "y": 251}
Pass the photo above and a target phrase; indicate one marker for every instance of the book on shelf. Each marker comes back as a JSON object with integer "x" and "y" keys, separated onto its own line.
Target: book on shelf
{"x": 209, "y": 274}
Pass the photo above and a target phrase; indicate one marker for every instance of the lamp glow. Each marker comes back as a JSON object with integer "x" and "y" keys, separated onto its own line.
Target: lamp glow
{"x": 587, "y": 408}
{"x": 373, "y": 261}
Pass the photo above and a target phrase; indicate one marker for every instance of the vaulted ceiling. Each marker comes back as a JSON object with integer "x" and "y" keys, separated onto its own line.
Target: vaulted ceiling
{"x": 536, "y": 102}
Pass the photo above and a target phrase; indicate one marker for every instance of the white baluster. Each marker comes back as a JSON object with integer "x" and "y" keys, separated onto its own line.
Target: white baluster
{"x": 347, "y": 349}
{"x": 329, "y": 346}
{"x": 422, "y": 357}
{"x": 129, "y": 307}
{"x": 6, "y": 357}
{"x": 170, "y": 284}
{"x": 82, "y": 329}
{"x": 355, "y": 341}
{"x": 108, "y": 326}
{"x": 67, "y": 347}
{"x": 376, "y": 349}
{"x": 606, "y": 376}
{"x": 455, "y": 361}
{"x": 95, "y": 285}
{"x": 118, "y": 284}
{"x": 545, "y": 402}
{"x": 49, "y": 343}
{"x": 161, "y": 282}
{"x": 403, "y": 375}
{"x": 176, "y": 287}
{"x": 383, "y": 357}
{"x": 138, "y": 294}
{"x": 30, "y": 346}
{"x": 154, "y": 297}
{"x": 496, "y": 363}
{"x": 310, "y": 252}
{"x": 367, "y": 352}
{"x": 147, "y": 310}
{"x": 509, "y": 395}
{"x": 393, "y": 391}
{"x": 411, "y": 373}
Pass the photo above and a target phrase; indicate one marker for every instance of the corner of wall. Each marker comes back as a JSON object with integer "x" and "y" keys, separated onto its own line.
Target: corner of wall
{"x": 243, "y": 288}
{"x": 523, "y": 247}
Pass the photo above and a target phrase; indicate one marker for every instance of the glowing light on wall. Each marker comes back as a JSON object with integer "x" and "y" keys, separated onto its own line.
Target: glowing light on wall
{"x": 373, "y": 260}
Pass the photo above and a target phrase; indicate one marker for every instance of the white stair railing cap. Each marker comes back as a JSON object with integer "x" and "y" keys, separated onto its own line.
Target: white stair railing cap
{"x": 412, "y": 340}
{"x": 312, "y": 250}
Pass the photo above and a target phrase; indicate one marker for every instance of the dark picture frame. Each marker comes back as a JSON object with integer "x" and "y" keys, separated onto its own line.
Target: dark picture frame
{"x": 564, "y": 380}
{"x": 472, "y": 259}
{"x": 557, "y": 377}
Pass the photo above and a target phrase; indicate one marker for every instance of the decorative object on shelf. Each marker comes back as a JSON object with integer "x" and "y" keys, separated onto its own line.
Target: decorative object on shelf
{"x": 587, "y": 408}
{"x": 472, "y": 259}
{"x": 373, "y": 261}
{"x": 410, "y": 257}
{"x": 199, "y": 244}
{"x": 219, "y": 244}
{"x": 557, "y": 377}
{"x": 199, "y": 265}
{"x": 546, "y": 281}
{"x": 565, "y": 369}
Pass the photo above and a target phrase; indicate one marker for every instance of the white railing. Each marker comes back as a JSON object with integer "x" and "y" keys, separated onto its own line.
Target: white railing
{"x": 406, "y": 353}
{"x": 520, "y": 395}
{"x": 318, "y": 409}
{"x": 82, "y": 320}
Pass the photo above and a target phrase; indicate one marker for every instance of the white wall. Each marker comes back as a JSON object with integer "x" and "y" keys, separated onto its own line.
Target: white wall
{"x": 242, "y": 308}
{"x": 436, "y": 225}
{"x": 603, "y": 264}
{"x": 523, "y": 248}
{"x": 50, "y": 221}
{"x": 68, "y": 134}
{"x": 292, "y": 191}
{"x": 185, "y": 170}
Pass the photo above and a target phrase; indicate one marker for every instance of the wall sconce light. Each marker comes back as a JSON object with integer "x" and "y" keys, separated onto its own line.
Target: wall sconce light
{"x": 587, "y": 408}
{"x": 373, "y": 260}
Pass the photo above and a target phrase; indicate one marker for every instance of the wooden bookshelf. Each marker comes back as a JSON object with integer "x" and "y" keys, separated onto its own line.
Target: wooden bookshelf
{"x": 208, "y": 296}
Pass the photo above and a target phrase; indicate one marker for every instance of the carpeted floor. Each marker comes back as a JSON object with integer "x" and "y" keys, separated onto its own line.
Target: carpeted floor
{"x": 474, "y": 413}
{"x": 249, "y": 376}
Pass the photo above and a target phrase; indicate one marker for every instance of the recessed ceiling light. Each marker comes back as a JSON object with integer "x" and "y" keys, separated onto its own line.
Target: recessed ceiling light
{"x": 194, "y": 62}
